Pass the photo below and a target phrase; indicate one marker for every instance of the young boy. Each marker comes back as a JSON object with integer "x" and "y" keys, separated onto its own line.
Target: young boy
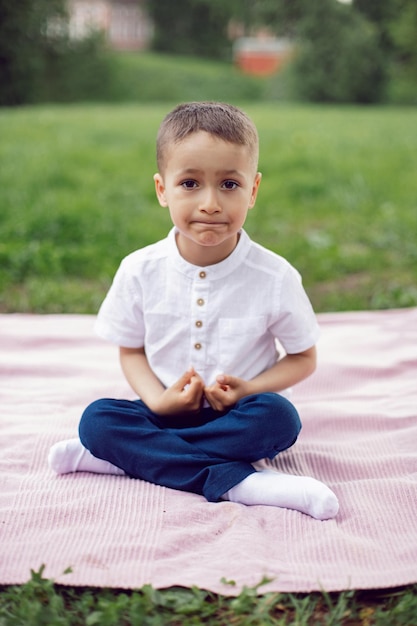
{"x": 196, "y": 317}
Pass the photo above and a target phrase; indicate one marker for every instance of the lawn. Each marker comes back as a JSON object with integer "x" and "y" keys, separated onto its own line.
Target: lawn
{"x": 41, "y": 603}
{"x": 338, "y": 199}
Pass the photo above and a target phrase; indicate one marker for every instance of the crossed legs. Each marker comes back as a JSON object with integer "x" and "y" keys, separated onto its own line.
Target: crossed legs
{"x": 212, "y": 458}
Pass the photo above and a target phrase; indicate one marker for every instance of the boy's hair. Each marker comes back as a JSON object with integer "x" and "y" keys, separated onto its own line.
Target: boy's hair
{"x": 222, "y": 120}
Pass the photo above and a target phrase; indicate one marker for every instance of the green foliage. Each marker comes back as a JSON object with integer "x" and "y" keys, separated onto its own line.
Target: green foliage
{"x": 403, "y": 30}
{"x": 338, "y": 199}
{"x": 382, "y": 15}
{"x": 148, "y": 77}
{"x": 364, "y": 52}
{"x": 39, "y": 61}
{"x": 361, "y": 52}
{"x": 24, "y": 45}
{"x": 77, "y": 70}
{"x": 191, "y": 27}
{"x": 338, "y": 57}
{"x": 396, "y": 25}
{"x": 40, "y": 602}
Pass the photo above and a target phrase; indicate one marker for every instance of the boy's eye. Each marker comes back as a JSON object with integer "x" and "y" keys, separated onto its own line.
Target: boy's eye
{"x": 230, "y": 184}
{"x": 189, "y": 184}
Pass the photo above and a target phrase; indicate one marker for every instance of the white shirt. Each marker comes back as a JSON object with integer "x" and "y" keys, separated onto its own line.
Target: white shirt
{"x": 223, "y": 318}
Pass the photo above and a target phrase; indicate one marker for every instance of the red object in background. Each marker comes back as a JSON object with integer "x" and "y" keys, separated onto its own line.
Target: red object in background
{"x": 261, "y": 57}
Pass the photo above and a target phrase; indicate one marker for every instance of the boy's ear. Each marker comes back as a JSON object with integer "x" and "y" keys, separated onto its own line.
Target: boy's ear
{"x": 160, "y": 189}
{"x": 255, "y": 188}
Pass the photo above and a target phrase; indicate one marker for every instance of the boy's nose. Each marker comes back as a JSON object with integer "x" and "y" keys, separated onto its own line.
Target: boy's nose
{"x": 210, "y": 202}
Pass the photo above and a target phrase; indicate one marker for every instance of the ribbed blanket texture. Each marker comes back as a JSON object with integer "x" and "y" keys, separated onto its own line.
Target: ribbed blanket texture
{"x": 359, "y": 413}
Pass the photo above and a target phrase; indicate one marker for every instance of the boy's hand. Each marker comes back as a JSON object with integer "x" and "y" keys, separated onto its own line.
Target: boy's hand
{"x": 226, "y": 391}
{"x": 184, "y": 396}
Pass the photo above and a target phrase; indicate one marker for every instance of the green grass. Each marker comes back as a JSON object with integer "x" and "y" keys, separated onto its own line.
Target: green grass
{"x": 338, "y": 199}
{"x": 40, "y": 602}
{"x": 153, "y": 77}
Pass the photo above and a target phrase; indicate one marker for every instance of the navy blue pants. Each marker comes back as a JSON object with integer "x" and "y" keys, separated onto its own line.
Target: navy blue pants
{"x": 208, "y": 453}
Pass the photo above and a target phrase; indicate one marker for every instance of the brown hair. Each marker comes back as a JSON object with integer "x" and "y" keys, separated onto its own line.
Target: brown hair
{"x": 222, "y": 120}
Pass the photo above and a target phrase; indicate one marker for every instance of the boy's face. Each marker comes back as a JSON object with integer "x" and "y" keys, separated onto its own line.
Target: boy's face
{"x": 209, "y": 185}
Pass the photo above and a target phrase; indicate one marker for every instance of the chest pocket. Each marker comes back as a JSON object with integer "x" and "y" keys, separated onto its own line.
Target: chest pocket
{"x": 238, "y": 339}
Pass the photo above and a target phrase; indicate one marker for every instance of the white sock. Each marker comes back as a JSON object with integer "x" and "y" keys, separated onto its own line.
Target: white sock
{"x": 301, "y": 493}
{"x": 71, "y": 456}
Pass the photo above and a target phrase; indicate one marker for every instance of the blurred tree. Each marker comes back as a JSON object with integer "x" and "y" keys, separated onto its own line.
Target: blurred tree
{"x": 282, "y": 16}
{"x": 396, "y": 23}
{"x": 24, "y": 40}
{"x": 191, "y": 27}
{"x": 339, "y": 58}
{"x": 380, "y": 13}
{"x": 403, "y": 31}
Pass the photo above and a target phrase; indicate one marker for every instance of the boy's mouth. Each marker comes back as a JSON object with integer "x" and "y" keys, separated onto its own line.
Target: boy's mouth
{"x": 209, "y": 223}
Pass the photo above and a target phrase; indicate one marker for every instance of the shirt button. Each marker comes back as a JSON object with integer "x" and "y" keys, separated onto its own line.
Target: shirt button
{"x": 202, "y": 274}
{"x": 199, "y": 323}
{"x": 200, "y": 302}
{"x": 197, "y": 346}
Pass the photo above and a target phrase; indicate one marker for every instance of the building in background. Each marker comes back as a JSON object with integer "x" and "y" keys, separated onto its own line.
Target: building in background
{"x": 127, "y": 26}
{"x": 125, "y": 23}
{"x": 262, "y": 56}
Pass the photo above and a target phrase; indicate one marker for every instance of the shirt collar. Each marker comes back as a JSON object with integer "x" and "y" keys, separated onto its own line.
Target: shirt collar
{"x": 213, "y": 272}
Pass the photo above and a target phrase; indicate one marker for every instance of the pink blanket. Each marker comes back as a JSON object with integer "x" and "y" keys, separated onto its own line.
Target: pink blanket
{"x": 360, "y": 436}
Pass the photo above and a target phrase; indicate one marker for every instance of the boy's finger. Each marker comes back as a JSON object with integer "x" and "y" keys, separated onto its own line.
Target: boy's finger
{"x": 225, "y": 379}
{"x": 184, "y": 380}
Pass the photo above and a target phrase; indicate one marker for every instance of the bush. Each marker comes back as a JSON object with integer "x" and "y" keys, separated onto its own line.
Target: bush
{"x": 38, "y": 60}
{"x": 191, "y": 27}
{"x": 23, "y": 39}
{"x": 80, "y": 70}
{"x": 338, "y": 58}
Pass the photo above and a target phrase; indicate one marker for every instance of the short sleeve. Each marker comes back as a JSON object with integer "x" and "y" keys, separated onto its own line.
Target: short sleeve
{"x": 120, "y": 318}
{"x": 297, "y": 328}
